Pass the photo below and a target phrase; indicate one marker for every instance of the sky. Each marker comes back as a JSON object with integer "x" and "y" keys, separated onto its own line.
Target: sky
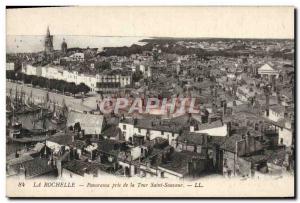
{"x": 196, "y": 22}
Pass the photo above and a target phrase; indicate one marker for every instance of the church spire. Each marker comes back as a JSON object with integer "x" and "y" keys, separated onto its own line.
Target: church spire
{"x": 48, "y": 41}
{"x": 48, "y": 31}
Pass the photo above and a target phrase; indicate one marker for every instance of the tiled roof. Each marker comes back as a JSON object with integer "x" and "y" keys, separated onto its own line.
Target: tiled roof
{"x": 179, "y": 161}
{"x": 112, "y": 131}
{"x": 110, "y": 146}
{"x": 215, "y": 124}
{"x": 61, "y": 139}
{"x": 276, "y": 157}
{"x": 230, "y": 142}
{"x": 256, "y": 158}
{"x": 193, "y": 138}
{"x": 166, "y": 126}
{"x": 82, "y": 167}
{"x": 76, "y": 166}
{"x": 277, "y": 108}
{"x": 37, "y": 167}
{"x": 79, "y": 144}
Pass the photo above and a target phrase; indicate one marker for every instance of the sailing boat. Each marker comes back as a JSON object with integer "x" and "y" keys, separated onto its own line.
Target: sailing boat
{"x": 15, "y": 126}
{"x": 64, "y": 109}
{"x": 9, "y": 105}
{"x": 59, "y": 116}
{"x": 55, "y": 118}
{"x": 47, "y": 101}
{"x": 27, "y": 103}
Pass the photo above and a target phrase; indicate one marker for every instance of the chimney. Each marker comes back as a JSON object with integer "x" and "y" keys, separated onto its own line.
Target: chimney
{"x": 189, "y": 117}
{"x": 278, "y": 97}
{"x": 234, "y": 103}
{"x": 256, "y": 127}
{"x": 247, "y": 147}
{"x": 214, "y": 107}
{"x": 135, "y": 121}
{"x": 267, "y": 94}
{"x": 16, "y": 154}
{"x": 229, "y": 128}
{"x": 224, "y": 108}
{"x": 267, "y": 105}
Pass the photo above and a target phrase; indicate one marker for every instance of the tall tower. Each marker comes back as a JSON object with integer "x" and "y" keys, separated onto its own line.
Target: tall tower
{"x": 48, "y": 42}
{"x": 64, "y": 47}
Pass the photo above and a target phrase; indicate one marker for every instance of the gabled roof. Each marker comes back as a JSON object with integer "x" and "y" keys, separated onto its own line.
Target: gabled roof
{"x": 266, "y": 67}
{"x": 269, "y": 67}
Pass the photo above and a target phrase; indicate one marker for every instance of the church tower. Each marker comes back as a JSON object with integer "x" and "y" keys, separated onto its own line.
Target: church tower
{"x": 64, "y": 47}
{"x": 48, "y": 42}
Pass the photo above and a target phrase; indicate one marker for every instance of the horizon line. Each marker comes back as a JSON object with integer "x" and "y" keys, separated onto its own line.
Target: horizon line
{"x": 155, "y": 37}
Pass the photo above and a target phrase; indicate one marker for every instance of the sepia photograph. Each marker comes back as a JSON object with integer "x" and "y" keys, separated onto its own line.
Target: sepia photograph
{"x": 194, "y": 102}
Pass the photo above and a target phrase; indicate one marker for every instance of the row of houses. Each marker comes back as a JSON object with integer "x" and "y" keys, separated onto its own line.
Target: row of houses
{"x": 98, "y": 82}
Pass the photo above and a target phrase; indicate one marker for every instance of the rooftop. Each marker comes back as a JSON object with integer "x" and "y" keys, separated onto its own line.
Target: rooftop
{"x": 193, "y": 138}
{"x": 90, "y": 123}
{"x": 61, "y": 139}
{"x": 37, "y": 167}
{"x": 179, "y": 161}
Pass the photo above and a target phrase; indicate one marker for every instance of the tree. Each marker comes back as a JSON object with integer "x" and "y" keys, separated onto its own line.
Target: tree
{"x": 83, "y": 88}
{"x": 137, "y": 76}
{"x": 10, "y": 74}
{"x": 72, "y": 88}
{"x": 103, "y": 65}
{"x": 77, "y": 127}
{"x": 60, "y": 85}
{"x": 47, "y": 97}
{"x": 35, "y": 81}
{"x": 25, "y": 79}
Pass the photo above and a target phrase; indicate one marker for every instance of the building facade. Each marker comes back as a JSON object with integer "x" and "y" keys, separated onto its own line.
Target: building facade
{"x": 98, "y": 82}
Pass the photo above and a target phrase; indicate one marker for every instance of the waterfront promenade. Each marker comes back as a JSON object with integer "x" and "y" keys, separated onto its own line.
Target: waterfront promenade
{"x": 39, "y": 95}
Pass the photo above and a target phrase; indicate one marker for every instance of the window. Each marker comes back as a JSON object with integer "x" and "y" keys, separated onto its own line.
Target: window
{"x": 162, "y": 132}
{"x": 124, "y": 127}
{"x": 139, "y": 130}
